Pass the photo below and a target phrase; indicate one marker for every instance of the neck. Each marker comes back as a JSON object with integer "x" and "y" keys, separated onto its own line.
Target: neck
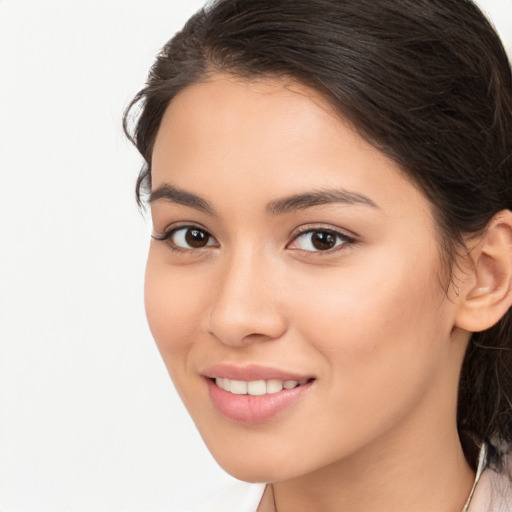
{"x": 435, "y": 478}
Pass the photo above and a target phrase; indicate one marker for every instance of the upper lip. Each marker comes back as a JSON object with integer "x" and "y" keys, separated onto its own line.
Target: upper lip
{"x": 251, "y": 372}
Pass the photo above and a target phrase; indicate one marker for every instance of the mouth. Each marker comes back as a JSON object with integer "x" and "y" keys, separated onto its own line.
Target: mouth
{"x": 257, "y": 387}
{"x": 255, "y": 394}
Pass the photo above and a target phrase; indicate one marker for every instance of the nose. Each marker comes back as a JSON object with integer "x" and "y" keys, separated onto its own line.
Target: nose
{"x": 246, "y": 305}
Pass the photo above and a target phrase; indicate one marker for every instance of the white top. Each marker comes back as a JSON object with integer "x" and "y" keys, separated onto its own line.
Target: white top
{"x": 492, "y": 491}
{"x": 236, "y": 497}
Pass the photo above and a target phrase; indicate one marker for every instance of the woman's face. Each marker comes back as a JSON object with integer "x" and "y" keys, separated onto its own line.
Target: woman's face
{"x": 297, "y": 265}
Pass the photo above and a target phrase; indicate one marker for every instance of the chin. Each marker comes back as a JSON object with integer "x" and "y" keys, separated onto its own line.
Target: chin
{"x": 252, "y": 472}
{"x": 257, "y": 466}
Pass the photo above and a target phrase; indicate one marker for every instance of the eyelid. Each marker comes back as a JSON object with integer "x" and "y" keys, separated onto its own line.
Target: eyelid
{"x": 171, "y": 228}
{"x": 348, "y": 239}
{"x": 167, "y": 234}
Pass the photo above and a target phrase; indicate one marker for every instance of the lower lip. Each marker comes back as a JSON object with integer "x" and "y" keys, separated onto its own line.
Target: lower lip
{"x": 254, "y": 409}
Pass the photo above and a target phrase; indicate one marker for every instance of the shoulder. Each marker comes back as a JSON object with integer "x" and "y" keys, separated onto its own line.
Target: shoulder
{"x": 237, "y": 497}
{"x": 494, "y": 490}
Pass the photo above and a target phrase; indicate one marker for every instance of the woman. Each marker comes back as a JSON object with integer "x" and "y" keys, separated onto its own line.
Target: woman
{"x": 329, "y": 279}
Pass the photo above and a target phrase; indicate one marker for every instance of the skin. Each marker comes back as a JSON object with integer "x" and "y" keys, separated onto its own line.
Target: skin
{"x": 368, "y": 319}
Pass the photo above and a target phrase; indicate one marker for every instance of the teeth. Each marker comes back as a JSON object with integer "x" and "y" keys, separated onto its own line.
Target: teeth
{"x": 289, "y": 384}
{"x": 274, "y": 386}
{"x": 257, "y": 387}
{"x": 223, "y": 383}
{"x": 237, "y": 387}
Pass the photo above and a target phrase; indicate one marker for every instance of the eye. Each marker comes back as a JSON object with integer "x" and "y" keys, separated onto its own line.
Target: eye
{"x": 317, "y": 240}
{"x": 188, "y": 238}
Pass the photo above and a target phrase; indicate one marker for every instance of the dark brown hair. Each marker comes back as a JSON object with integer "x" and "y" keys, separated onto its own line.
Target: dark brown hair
{"x": 425, "y": 81}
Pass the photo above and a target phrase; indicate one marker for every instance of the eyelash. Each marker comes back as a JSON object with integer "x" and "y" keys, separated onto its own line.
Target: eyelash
{"x": 167, "y": 236}
{"x": 342, "y": 239}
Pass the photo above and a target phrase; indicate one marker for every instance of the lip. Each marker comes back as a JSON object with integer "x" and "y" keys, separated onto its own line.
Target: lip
{"x": 253, "y": 409}
{"x": 251, "y": 372}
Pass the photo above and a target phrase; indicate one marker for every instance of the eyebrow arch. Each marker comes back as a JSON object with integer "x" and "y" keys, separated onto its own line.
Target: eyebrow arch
{"x": 178, "y": 196}
{"x": 322, "y": 197}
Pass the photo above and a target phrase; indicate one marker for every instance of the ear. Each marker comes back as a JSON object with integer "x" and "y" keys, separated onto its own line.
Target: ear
{"x": 486, "y": 292}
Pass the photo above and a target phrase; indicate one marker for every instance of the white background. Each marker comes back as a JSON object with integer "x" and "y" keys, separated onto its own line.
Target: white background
{"x": 88, "y": 418}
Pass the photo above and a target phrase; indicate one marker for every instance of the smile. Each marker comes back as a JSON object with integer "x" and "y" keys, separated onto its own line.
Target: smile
{"x": 255, "y": 394}
{"x": 256, "y": 387}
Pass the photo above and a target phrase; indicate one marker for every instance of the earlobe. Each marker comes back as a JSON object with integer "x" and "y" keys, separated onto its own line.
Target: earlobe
{"x": 488, "y": 281}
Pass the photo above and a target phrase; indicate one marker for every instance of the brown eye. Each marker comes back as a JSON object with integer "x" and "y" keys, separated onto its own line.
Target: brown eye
{"x": 196, "y": 238}
{"x": 323, "y": 240}
{"x": 191, "y": 237}
{"x": 318, "y": 240}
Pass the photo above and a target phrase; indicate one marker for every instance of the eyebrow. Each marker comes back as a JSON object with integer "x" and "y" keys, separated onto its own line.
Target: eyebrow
{"x": 278, "y": 207}
{"x": 322, "y": 197}
{"x": 178, "y": 196}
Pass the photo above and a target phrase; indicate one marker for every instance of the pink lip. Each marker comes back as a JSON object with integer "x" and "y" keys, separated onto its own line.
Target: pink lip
{"x": 251, "y": 372}
{"x": 253, "y": 409}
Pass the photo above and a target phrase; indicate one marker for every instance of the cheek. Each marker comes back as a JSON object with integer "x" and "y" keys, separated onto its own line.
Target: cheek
{"x": 172, "y": 306}
{"x": 378, "y": 329}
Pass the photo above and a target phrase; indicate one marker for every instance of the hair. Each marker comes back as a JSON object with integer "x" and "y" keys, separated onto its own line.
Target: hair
{"x": 427, "y": 82}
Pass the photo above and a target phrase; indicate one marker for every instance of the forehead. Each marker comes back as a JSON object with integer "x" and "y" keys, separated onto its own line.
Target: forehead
{"x": 268, "y": 138}
{"x": 230, "y": 108}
